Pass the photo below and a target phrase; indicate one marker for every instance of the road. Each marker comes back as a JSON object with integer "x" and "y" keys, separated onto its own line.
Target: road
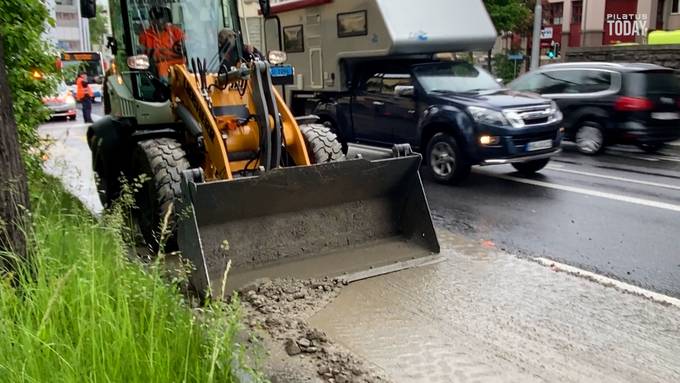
{"x": 617, "y": 214}
{"x": 69, "y": 157}
{"x": 486, "y": 313}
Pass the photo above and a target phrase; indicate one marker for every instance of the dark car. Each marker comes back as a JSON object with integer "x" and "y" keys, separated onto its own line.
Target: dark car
{"x": 455, "y": 113}
{"x": 609, "y": 103}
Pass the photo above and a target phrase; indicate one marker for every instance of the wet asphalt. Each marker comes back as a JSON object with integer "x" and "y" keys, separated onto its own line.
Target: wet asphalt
{"x": 482, "y": 314}
{"x": 617, "y": 214}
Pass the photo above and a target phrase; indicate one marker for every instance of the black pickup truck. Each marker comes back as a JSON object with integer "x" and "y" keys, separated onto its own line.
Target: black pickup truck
{"x": 454, "y": 113}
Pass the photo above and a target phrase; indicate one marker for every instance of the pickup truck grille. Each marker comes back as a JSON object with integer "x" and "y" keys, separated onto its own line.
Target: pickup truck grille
{"x": 521, "y": 140}
{"x": 534, "y": 115}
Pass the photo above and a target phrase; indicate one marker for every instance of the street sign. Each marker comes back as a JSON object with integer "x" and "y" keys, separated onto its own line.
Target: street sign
{"x": 547, "y": 33}
{"x": 515, "y": 56}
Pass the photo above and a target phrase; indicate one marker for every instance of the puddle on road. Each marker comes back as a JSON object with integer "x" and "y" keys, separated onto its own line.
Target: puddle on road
{"x": 485, "y": 316}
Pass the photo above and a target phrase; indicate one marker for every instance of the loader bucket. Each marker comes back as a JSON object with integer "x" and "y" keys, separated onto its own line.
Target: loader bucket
{"x": 351, "y": 219}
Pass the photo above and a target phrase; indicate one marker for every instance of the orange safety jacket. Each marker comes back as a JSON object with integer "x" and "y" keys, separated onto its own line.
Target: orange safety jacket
{"x": 163, "y": 44}
{"x": 81, "y": 90}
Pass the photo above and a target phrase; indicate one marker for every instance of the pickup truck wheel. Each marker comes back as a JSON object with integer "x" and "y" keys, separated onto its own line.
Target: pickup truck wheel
{"x": 530, "y": 167}
{"x": 590, "y": 138}
{"x": 445, "y": 159}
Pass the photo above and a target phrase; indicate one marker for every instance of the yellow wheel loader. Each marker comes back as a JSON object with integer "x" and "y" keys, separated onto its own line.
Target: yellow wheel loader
{"x": 197, "y": 111}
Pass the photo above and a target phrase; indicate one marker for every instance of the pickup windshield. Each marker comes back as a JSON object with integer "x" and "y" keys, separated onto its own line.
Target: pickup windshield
{"x": 459, "y": 77}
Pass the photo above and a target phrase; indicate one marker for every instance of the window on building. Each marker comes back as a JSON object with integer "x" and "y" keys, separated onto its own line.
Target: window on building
{"x": 675, "y": 6}
{"x": 553, "y": 14}
{"x": 576, "y": 12}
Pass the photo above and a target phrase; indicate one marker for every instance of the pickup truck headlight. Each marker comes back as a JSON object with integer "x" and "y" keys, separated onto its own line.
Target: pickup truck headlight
{"x": 557, "y": 113}
{"x": 487, "y": 116}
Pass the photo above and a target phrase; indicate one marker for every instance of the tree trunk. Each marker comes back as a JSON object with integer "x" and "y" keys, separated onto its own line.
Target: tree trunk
{"x": 14, "y": 202}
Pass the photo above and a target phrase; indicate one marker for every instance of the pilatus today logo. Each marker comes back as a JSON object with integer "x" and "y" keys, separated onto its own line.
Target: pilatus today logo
{"x": 627, "y": 24}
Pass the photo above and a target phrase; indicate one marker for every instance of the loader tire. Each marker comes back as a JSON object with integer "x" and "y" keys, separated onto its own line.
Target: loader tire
{"x": 163, "y": 160}
{"x": 322, "y": 144}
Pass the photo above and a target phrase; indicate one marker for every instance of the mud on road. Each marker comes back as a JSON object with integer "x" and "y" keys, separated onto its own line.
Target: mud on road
{"x": 277, "y": 311}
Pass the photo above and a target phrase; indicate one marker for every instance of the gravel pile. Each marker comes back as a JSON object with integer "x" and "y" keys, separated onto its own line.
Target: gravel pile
{"x": 280, "y": 308}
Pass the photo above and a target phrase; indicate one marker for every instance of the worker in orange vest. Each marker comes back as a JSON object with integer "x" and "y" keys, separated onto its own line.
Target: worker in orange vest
{"x": 84, "y": 95}
{"x": 164, "y": 42}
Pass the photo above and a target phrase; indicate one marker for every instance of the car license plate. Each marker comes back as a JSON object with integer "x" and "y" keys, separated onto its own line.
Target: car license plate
{"x": 282, "y": 71}
{"x": 539, "y": 145}
{"x": 666, "y": 116}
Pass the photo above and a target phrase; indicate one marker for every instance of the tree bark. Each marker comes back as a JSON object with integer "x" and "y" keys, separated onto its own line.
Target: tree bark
{"x": 14, "y": 201}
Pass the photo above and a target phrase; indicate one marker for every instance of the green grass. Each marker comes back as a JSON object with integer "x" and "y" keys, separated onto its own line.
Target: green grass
{"x": 88, "y": 314}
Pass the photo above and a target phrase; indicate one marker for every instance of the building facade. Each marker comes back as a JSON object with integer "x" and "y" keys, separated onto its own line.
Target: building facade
{"x": 588, "y": 23}
{"x": 71, "y": 31}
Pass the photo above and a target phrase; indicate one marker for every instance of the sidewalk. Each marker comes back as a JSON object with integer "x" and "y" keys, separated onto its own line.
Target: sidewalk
{"x": 487, "y": 316}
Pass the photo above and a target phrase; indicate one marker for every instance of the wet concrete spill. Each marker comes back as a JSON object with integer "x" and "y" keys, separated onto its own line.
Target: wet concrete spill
{"x": 486, "y": 316}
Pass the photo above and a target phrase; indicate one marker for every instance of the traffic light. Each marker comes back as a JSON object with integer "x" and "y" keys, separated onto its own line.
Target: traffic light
{"x": 554, "y": 50}
{"x": 88, "y": 9}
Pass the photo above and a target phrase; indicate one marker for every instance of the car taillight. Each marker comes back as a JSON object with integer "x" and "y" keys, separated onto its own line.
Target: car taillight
{"x": 633, "y": 104}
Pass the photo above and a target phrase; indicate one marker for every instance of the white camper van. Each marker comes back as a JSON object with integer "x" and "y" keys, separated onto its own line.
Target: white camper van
{"x": 323, "y": 38}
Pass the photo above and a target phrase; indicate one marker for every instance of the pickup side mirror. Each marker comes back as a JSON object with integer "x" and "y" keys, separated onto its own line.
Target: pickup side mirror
{"x": 88, "y": 9}
{"x": 265, "y": 7}
{"x": 404, "y": 90}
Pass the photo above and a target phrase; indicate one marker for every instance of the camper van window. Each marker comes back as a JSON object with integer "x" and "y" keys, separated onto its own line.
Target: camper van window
{"x": 293, "y": 39}
{"x": 352, "y": 24}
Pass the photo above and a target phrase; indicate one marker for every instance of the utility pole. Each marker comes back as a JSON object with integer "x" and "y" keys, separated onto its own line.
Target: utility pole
{"x": 536, "y": 38}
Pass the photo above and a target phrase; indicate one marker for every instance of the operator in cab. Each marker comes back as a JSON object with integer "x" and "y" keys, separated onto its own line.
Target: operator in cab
{"x": 164, "y": 42}
{"x": 229, "y": 54}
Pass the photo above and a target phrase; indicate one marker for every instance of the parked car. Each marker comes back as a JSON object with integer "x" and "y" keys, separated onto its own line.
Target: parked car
{"x": 62, "y": 104}
{"x": 610, "y": 103}
{"x": 455, "y": 113}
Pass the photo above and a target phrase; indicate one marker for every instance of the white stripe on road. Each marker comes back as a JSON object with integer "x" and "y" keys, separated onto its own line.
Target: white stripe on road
{"x": 630, "y": 153}
{"x": 613, "y": 178}
{"x": 605, "y": 281}
{"x": 588, "y": 192}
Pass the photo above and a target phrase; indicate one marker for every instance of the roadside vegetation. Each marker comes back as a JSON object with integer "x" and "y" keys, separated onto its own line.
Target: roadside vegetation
{"x": 82, "y": 311}
{"x": 73, "y": 306}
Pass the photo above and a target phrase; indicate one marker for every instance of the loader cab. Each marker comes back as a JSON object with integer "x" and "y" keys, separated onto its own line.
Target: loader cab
{"x": 157, "y": 35}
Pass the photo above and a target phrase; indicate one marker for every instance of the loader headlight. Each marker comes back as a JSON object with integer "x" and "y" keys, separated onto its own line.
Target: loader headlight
{"x": 139, "y": 62}
{"x": 277, "y": 57}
